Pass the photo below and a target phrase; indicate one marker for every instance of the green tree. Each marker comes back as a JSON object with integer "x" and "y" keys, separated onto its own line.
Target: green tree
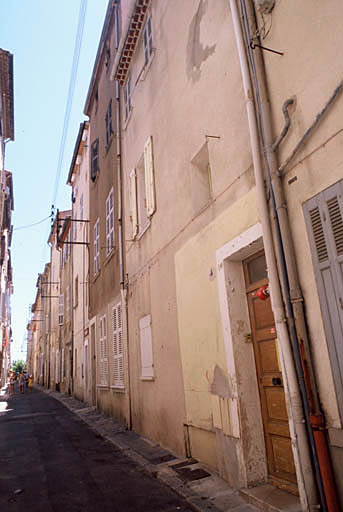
{"x": 18, "y": 366}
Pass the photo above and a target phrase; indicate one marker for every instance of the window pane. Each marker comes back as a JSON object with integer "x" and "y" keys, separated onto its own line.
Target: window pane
{"x": 257, "y": 269}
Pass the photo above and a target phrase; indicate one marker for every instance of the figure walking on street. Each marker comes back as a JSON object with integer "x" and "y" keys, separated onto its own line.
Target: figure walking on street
{"x": 22, "y": 383}
{"x": 30, "y": 383}
{"x": 12, "y": 380}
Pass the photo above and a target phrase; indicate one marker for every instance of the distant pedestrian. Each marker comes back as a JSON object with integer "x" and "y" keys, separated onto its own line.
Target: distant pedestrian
{"x": 22, "y": 383}
{"x": 30, "y": 384}
{"x": 12, "y": 381}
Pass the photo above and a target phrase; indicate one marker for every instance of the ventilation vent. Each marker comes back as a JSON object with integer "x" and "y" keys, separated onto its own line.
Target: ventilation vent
{"x": 336, "y": 223}
{"x": 318, "y": 234}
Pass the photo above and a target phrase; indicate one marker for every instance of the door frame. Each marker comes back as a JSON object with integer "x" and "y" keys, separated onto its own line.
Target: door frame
{"x": 239, "y": 352}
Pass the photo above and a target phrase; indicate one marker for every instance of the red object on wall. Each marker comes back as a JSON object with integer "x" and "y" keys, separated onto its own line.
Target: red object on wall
{"x": 263, "y": 292}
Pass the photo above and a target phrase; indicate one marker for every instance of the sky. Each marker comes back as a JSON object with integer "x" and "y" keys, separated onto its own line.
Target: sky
{"x": 41, "y": 35}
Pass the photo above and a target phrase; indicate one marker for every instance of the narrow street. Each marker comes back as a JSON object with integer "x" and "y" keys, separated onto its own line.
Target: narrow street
{"x": 51, "y": 461}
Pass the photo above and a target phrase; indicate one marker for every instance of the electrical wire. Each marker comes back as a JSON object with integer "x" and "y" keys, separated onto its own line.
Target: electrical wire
{"x": 33, "y": 224}
{"x": 71, "y": 90}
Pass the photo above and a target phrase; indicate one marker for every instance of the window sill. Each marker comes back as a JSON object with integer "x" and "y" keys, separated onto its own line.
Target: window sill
{"x": 147, "y": 65}
{"x": 109, "y": 257}
{"x": 107, "y": 147}
{"x": 103, "y": 386}
{"x": 141, "y": 233}
{"x": 126, "y": 122}
{"x": 147, "y": 378}
{"x": 95, "y": 278}
{"x": 118, "y": 389}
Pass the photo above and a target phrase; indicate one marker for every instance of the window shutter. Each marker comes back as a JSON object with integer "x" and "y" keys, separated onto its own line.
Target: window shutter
{"x": 146, "y": 347}
{"x": 149, "y": 177}
{"x": 118, "y": 359}
{"x": 133, "y": 198}
{"x": 324, "y": 221}
{"x": 103, "y": 358}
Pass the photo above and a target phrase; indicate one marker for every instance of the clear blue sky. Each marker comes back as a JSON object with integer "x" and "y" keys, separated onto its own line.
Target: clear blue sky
{"x": 41, "y": 35}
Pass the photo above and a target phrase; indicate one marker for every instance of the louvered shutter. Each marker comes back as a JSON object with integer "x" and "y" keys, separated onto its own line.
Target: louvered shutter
{"x": 146, "y": 347}
{"x": 133, "y": 201}
{"x": 103, "y": 358}
{"x": 118, "y": 359}
{"x": 324, "y": 221}
{"x": 149, "y": 177}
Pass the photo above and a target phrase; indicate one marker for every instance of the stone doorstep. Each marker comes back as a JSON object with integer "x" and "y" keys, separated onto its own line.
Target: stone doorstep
{"x": 271, "y": 499}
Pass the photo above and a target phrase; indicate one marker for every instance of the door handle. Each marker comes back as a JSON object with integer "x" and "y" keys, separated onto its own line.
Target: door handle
{"x": 276, "y": 381}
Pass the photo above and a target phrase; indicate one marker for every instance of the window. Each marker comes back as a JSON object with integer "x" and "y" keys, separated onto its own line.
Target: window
{"x": 109, "y": 223}
{"x": 67, "y": 302}
{"x": 102, "y": 358}
{"x": 324, "y": 221}
{"x": 127, "y": 97}
{"x": 108, "y": 123}
{"x": 94, "y": 159}
{"x": 147, "y": 366}
{"x": 96, "y": 243}
{"x": 142, "y": 191}
{"x": 61, "y": 309}
{"x": 147, "y": 40}
{"x": 118, "y": 356}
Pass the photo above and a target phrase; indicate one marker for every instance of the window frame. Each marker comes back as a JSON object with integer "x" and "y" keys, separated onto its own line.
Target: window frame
{"x": 147, "y": 40}
{"x": 127, "y": 97}
{"x": 96, "y": 247}
{"x": 94, "y": 159}
{"x": 110, "y": 222}
{"x": 108, "y": 124}
{"x": 61, "y": 309}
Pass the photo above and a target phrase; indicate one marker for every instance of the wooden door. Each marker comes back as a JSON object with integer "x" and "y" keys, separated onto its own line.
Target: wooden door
{"x": 280, "y": 461}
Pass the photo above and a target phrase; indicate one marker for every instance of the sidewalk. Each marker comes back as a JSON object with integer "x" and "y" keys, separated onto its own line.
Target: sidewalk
{"x": 203, "y": 490}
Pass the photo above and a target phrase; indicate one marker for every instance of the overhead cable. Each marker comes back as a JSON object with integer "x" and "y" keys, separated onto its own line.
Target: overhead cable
{"x": 71, "y": 90}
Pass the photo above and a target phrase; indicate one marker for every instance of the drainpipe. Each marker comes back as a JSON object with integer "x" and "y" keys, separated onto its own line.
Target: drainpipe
{"x": 292, "y": 294}
{"x": 302, "y": 459}
{"x": 123, "y": 288}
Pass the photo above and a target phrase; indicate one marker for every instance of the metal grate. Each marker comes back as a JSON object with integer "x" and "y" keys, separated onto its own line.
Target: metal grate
{"x": 318, "y": 234}
{"x": 336, "y": 223}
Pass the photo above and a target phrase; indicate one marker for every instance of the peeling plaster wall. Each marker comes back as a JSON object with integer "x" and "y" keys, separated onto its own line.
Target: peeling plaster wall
{"x": 211, "y": 392}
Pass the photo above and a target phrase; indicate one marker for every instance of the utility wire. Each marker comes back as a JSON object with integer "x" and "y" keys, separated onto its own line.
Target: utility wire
{"x": 33, "y": 224}
{"x": 71, "y": 90}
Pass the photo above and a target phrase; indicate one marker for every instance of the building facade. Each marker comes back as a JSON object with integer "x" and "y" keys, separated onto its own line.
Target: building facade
{"x": 215, "y": 238}
{"x": 6, "y": 207}
{"x": 78, "y": 179}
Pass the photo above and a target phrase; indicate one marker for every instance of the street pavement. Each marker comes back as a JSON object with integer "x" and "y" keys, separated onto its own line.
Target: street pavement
{"x": 51, "y": 461}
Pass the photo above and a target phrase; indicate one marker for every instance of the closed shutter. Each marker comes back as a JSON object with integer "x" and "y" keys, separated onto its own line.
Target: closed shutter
{"x": 118, "y": 349}
{"x": 133, "y": 203}
{"x": 146, "y": 347}
{"x": 149, "y": 177}
{"x": 102, "y": 354}
{"x": 324, "y": 221}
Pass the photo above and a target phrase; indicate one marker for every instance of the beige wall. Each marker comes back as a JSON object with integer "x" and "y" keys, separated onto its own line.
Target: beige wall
{"x": 80, "y": 262}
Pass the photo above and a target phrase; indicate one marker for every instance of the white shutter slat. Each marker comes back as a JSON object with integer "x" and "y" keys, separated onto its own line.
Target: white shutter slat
{"x": 149, "y": 177}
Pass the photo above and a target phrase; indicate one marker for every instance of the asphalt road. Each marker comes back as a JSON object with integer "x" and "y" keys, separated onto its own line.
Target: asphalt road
{"x": 50, "y": 461}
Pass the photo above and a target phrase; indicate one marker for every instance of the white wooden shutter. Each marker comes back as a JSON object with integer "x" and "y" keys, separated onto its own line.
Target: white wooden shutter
{"x": 149, "y": 177}
{"x": 133, "y": 201}
{"x": 103, "y": 358}
{"x": 324, "y": 220}
{"x": 146, "y": 347}
{"x": 118, "y": 352}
